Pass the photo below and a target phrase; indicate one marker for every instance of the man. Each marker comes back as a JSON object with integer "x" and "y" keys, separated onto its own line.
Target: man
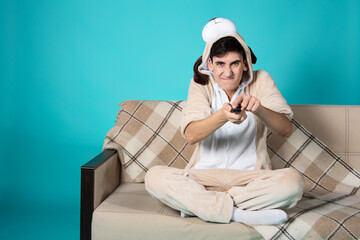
{"x": 227, "y": 114}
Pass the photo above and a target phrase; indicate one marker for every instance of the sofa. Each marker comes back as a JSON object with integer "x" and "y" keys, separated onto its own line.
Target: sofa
{"x": 324, "y": 147}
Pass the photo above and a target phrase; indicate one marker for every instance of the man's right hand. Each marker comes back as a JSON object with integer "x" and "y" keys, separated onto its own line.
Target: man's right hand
{"x": 236, "y": 118}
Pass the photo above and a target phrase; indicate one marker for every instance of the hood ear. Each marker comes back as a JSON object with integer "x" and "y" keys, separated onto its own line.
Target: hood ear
{"x": 253, "y": 57}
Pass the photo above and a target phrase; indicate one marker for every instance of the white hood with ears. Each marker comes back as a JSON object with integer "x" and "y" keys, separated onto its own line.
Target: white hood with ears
{"x": 214, "y": 30}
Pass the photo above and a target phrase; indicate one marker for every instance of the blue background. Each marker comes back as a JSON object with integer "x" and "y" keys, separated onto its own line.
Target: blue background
{"x": 65, "y": 65}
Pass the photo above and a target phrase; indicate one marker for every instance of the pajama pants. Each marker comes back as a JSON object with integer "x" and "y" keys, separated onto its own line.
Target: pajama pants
{"x": 211, "y": 194}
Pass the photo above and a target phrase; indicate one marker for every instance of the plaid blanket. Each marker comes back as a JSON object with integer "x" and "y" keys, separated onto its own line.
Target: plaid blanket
{"x": 147, "y": 134}
{"x": 330, "y": 205}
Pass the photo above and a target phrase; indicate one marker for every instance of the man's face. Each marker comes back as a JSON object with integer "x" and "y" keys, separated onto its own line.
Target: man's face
{"x": 228, "y": 71}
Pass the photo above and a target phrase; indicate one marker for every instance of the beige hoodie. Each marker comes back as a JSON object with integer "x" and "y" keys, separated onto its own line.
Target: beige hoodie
{"x": 258, "y": 84}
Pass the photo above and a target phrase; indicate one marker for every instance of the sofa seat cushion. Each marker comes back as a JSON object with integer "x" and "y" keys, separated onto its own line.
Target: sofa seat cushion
{"x": 131, "y": 213}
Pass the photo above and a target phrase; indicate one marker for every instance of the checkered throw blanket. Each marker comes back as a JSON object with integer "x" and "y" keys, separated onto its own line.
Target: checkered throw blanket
{"x": 330, "y": 207}
{"x": 147, "y": 134}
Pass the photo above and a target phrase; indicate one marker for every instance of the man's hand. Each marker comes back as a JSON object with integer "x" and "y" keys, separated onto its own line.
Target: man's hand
{"x": 233, "y": 117}
{"x": 247, "y": 103}
{"x": 276, "y": 122}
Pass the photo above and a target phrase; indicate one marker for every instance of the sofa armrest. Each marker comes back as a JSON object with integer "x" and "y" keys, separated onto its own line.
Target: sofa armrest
{"x": 99, "y": 178}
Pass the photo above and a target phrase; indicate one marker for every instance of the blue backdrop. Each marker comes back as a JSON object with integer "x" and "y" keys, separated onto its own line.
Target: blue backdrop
{"x": 65, "y": 65}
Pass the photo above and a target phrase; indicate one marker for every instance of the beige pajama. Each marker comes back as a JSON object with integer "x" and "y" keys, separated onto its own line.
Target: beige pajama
{"x": 211, "y": 194}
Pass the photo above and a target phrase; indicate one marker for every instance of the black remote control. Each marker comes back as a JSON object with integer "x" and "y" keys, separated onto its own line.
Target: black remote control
{"x": 236, "y": 110}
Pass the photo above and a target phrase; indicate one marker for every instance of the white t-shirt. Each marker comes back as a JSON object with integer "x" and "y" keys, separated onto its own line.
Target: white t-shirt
{"x": 232, "y": 146}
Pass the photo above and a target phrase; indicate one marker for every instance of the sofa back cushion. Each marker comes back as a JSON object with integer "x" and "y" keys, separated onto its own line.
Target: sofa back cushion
{"x": 336, "y": 125}
{"x": 147, "y": 133}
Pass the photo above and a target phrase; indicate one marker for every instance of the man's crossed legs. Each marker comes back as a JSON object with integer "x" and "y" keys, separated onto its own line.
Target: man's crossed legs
{"x": 222, "y": 195}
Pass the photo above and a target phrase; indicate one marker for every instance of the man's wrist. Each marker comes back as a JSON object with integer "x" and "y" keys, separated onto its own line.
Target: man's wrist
{"x": 258, "y": 112}
{"x": 221, "y": 116}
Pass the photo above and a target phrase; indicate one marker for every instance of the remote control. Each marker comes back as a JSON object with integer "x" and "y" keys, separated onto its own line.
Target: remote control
{"x": 236, "y": 110}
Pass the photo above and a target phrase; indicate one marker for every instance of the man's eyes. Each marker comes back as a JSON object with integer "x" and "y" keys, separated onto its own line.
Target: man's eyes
{"x": 222, "y": 64}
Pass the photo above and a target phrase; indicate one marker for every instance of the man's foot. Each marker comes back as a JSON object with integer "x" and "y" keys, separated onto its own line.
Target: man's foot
{"x": 259, "y": 217}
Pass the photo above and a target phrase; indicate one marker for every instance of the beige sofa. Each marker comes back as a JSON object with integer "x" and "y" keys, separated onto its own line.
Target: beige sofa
{"x": 113, "y": 206}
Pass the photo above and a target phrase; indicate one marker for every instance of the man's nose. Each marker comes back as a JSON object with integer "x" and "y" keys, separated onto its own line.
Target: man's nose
{"x": 228, "y": 71}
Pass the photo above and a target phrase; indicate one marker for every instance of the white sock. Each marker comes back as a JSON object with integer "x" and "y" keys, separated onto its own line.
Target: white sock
{"x": 259, "y": 217}
{"x": 184, "y": 215}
